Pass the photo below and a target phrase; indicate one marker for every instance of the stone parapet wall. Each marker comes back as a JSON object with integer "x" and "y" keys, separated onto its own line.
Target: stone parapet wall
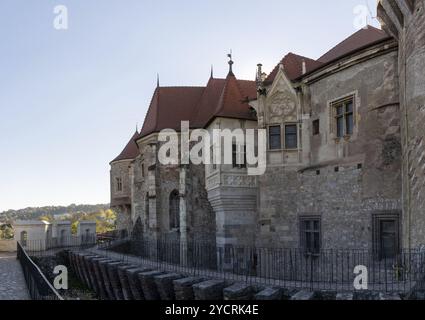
{"x": 7, "y": 245}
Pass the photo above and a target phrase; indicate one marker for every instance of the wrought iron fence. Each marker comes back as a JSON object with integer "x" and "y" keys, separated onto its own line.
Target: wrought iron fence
{"x": 332, "y": 270}
{"x": 38, "y": 285}
{"x": 44, "y": 247}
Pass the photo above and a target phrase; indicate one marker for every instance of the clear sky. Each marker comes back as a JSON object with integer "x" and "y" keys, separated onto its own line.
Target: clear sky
{"x": 70, "y": 99}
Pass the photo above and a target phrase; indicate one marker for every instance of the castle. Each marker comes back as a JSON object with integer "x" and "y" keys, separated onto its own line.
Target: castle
{"x": 345, "y": 153}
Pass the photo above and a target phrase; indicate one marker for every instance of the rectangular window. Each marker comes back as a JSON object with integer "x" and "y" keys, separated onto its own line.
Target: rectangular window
{"x": 275, "y": 141}
{"x": 239, "y": 156}
{"x": 291, "y": 136}
{"x": 316, "y": 127}
{"x": 310, "y": 231}
{"x": 119, "y": 184}
{"x": 344, "y": 117}
{"x": 212, "y": 154}
{"x": 386, "y": 235}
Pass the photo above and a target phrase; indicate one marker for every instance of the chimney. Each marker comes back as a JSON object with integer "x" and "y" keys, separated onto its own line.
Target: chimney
{"x": 304, "y": 67}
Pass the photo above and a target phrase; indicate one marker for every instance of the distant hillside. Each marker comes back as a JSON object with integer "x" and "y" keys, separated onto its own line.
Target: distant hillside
{"x": 36, "y": 213}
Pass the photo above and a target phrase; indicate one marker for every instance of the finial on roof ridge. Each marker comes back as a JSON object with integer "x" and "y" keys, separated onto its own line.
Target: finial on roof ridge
{"x": 230, "y": 62}
{"x": 157, "y": 80}
{"x": 212, "y": 72}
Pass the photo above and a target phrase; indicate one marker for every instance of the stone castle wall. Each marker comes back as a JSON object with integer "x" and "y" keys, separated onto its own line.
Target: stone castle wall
{"x": 405, "y": 20}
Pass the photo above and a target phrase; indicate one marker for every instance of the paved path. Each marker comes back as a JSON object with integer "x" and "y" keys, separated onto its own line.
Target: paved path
{"x": 12, "y": 282}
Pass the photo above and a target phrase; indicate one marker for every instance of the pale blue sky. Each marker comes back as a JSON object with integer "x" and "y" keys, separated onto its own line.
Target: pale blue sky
{"x": 70, "y": 100}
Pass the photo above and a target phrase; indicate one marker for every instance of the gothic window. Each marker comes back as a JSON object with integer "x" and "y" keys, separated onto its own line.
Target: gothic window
{"x": 316, "y": 127}
{"x": 291, "y": 136}
{"x": 275, "y": 140}
{"x": 310, "y": 231}
{"x": 238, "y": 156}
{"x": 344, "y": 117}
{"x": 143, "y": 170}
{"x": 119, "y": 184}
{"x": 174, "y": 210}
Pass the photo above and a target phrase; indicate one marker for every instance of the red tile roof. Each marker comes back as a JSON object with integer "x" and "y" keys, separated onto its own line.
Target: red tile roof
{"x": 170, "y": 106}
{"x": 225, "y": 98}
{"x": 293, "y": 67}
{"x": 130, "y": 151}
{"x": 199, "y": 105}
{"x": 292, "y": 63}
{"x": 360, "y": 39}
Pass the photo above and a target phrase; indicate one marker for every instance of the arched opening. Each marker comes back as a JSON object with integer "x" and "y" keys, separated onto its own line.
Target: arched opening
{"x": 137, "y": 232}
{"x": 24, "y": 238}
{"x": 174, "y": 210}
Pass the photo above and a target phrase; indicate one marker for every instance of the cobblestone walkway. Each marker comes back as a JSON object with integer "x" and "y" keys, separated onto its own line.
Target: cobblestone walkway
{"x": 12, "y": 282}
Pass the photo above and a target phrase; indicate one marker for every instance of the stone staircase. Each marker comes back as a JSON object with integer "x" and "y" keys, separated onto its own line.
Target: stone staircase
{"x": 113, "y": 279}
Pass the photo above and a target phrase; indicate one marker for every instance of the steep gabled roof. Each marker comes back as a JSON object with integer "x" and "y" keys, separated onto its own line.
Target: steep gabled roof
{"x": 292, "y": 63}
{"x": 198, "y": 105}
{"x": 130, "y": 151}
{"x": 360, "y": 39}
{"x": 293, "y": 67}
{"x": 170, "y": 106}
{"x": 225, "y": 98}
{"x": 233, "y": 101}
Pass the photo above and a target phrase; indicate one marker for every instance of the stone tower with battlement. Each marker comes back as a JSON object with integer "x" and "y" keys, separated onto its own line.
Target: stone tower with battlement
{"x": 405, "y": 21}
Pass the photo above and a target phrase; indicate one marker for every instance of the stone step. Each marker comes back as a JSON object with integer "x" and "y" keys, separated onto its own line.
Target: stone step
{"x": 134, "y": 282}
{"x": 347, "y": 296}
{"x": 148, "y": 284}
{"x": 164, "y": 284}
{"x": 269, "y": 294}
{"x": 209, "y": 290}
{"x": 238, "y": 291}
{"x": 303, "y": 295}
{"x": 389, "y": 296}
{"x": 183, "y": 288}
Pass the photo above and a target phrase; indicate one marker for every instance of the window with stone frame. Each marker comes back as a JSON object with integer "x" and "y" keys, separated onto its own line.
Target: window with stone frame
{"x": 275, "y": 137}
{"x": 239, "y": 156}
{"x": 310, "y": 234}
{"x": 291, "y": 136}
{"x": 118, "y": 181}
{"x": 386, "y": 235}
{"x": 174, "y": 210}
{"x": 316, "y": 127}
{"x": 343, "y": 117}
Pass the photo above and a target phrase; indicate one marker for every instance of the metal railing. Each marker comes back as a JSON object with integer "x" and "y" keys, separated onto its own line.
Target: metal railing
{"x": 38, "y": 285}
{"x": 45, "y": 247}
{"x": 330, "y": 270}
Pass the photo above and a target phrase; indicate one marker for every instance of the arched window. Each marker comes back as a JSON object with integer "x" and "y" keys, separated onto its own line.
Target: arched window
{"x": 24, "y": 238}
{"x": 174, "y": 210}
{"x": 147, "y": 210}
